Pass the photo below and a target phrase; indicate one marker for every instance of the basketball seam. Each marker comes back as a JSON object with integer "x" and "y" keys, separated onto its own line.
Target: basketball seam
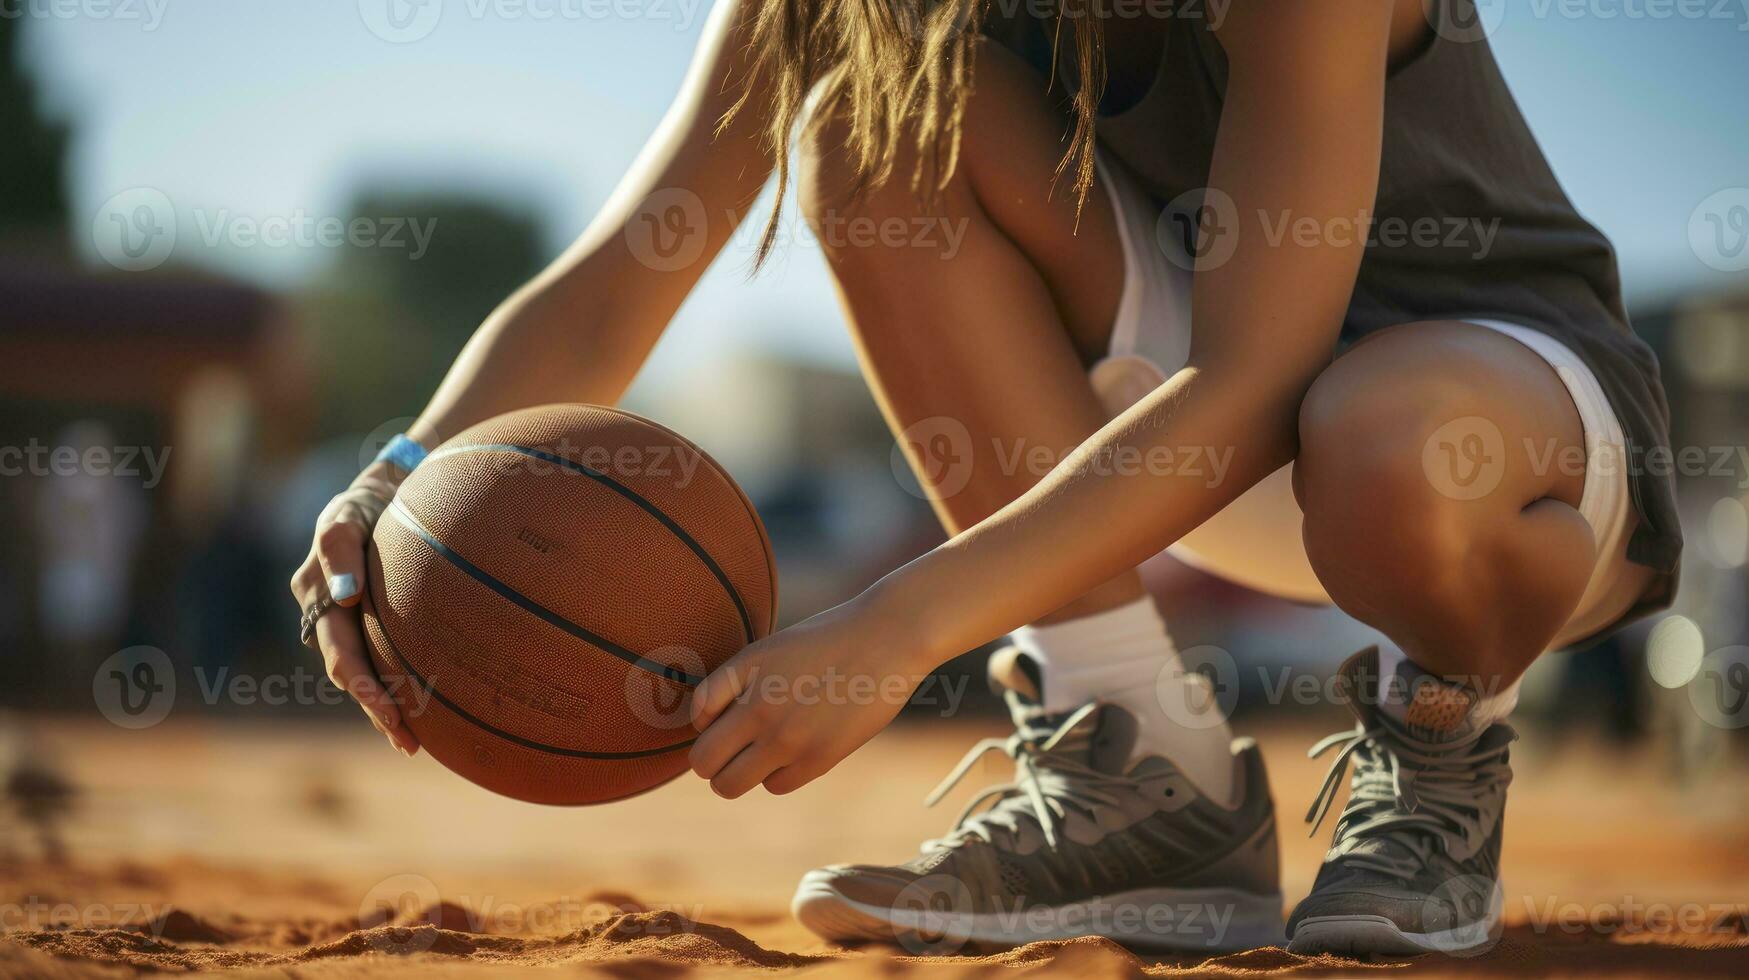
{"x": 412, "y": 523}
{"x": 430, "y": 687}
{"x": 631, "y": 495}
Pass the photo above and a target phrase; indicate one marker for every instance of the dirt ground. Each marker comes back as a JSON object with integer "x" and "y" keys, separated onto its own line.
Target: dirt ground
{"x": 263, "y": 850}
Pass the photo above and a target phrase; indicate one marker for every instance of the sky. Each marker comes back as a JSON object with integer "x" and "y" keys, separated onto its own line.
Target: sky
{"x": 262, "y": 110}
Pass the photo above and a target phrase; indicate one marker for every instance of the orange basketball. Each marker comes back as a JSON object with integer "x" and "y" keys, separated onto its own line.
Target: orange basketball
{"x": 549, "y": 586}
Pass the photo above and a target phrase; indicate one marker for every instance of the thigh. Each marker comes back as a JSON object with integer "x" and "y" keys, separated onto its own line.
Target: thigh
{"x": 1003, "y": 233}
{"x": 977, "y": 329}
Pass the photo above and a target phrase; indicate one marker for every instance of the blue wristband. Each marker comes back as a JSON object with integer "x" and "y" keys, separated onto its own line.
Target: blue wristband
{"x": 403, "y": 452}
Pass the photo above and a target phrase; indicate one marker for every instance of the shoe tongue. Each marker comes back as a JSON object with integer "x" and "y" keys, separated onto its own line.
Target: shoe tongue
{"x": 1102, "y": 740}
{"x": 1411, "y": 700}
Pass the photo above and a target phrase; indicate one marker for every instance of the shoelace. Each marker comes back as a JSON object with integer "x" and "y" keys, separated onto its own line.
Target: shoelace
{"x": 1045, "y": 786}
{"x": 1414, "y": 805}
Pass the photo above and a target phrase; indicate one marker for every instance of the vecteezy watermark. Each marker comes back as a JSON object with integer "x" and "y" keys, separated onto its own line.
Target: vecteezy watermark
{"x": 34, "y": 458}
{"x": 1201, "y": 229}
{"x": 833, "y": 686}
{"x": 1199, "y": 690}
{"x": 377, "y": 438}
{"x": 936, "y": 457}
{"x": 1463, "y": 22}
{"x": 1630, "y": 915}
{"x": 407, "y": 21}
{"x": 660, "y": 700}
{"x": 938, "y": 915}
{"x": 135, "y": 688}
{"x": 401, "y": 21}
{"x": 1463, "y": 915}
{"x": 138, "y": 230}
{"x": 1466, "y": 23}
{"x": 670, "y": 230}
{"x": 1719, "y": 691}
{"x": 933, "y": 458}
{"x": 1718, "y": 230}
{"x": 1202, "y": 688}
{"x": 138, "y": 688}
{"x": 135, "y": 230}
{"x": 1465, "y": 459}
{"x": 300, "y": 229}
{"x": 35, "y": 914}
{"x": 1637, "y": 10}
{"x": 147, "y": 13}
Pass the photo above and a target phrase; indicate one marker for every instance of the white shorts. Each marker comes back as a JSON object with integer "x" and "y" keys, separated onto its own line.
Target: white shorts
{"x": 1255, "y": 541}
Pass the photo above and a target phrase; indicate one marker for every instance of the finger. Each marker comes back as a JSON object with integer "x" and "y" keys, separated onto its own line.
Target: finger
{"x": 340, "y": 550}
{"x": 719, "y": 690}
{"x": 342, "y": 642}
{"x": 731, "y": 733}
{"x": 747, "y": 769}
{"x": 797, "y": 774}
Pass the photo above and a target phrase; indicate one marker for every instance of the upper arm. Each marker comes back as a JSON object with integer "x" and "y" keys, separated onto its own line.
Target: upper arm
{"x": 1297, "y": 159}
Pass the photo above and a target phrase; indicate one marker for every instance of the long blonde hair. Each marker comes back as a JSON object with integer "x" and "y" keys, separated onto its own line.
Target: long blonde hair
{"x": 895, "y": 70}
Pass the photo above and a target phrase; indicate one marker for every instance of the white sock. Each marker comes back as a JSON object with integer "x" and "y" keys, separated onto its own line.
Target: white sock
{"x": 1124, "y": 656}
{"x": 1491, "y": 705}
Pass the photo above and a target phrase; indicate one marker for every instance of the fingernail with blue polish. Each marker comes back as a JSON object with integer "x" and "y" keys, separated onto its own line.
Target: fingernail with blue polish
{"x": 343, "y": 586}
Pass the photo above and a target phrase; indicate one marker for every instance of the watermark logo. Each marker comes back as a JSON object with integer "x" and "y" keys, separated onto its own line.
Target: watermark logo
{"x": 303, "y": 230}
{"x": 1461, "y": 917}
{"x": 668, "y": 232}
{"x": 933, "y": 915}
{"x": 396, "y": 902}
{"x": 1201, "y": 689}
{"x": 1718, "y": 230}
{"x": 135, "y": 688}
{"x": 377, "y": 438}
{"x": 1720, "y": 689}
{"x": 1198, "y": 229}
{"x": 657, "y": 701}
{"x": 934, "y": 456}
{"x": 135, "y": 230}
{"x": 1463, "y": 22}
{"x": 1465, "y": 459}
{"x": 401, "y": 21}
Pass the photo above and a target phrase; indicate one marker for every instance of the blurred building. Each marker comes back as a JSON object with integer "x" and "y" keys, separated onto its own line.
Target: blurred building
{"x": 137, "y": 415}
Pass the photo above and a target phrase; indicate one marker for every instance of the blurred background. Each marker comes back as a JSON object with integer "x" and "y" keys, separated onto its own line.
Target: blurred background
{"x": 193, "y": 358}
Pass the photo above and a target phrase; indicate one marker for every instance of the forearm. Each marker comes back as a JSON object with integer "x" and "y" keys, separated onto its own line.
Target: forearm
{"x": 1143, "y": 481}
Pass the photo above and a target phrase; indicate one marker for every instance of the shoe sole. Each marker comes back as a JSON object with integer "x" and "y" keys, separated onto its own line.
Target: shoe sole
{"x": 1374, "y": 935}
{"x": 1168, "y": 919}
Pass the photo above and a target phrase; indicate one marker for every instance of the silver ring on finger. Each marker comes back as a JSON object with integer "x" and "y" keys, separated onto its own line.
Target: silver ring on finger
{"x": 307, "y": 625}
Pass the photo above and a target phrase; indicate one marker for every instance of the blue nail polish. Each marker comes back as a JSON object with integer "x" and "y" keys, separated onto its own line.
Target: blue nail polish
{"x": 343, "y": 586}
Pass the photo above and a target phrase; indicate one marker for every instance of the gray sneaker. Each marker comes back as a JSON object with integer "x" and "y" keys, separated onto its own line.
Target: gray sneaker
{"x": 1082, "y": 842}
{"x": 1415, "y": 863}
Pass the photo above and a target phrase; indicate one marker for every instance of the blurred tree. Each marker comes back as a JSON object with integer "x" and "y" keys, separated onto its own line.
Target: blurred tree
{"x": 389, "y": 318}
{"x": 33, "y": 191}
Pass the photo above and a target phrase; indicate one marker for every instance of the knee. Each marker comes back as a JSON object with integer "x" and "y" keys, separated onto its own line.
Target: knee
{"x": 1378, "y": 502}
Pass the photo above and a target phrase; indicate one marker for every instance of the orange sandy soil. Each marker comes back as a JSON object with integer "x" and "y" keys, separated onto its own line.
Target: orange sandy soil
{"x": 226, "y": 846}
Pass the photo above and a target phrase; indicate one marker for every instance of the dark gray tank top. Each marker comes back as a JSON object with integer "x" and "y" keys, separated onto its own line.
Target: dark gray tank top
{"x": 1470, "y": 223}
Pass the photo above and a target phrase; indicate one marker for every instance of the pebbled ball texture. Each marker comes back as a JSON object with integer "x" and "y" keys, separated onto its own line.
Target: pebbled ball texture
{"x": 547, "y": 588}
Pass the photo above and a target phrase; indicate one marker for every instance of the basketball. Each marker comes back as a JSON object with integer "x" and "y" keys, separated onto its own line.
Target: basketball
{"x": 546, "y": 590}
